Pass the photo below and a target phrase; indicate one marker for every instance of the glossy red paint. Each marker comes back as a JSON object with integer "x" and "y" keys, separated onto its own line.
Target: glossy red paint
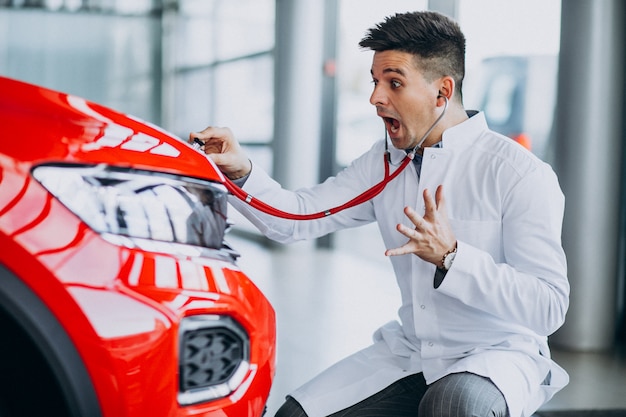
{"x": 120, "y": 307}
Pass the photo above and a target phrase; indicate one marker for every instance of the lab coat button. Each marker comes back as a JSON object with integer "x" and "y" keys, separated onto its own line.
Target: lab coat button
{"x": 423, "y": 307}
{"x": 431, "y": 344}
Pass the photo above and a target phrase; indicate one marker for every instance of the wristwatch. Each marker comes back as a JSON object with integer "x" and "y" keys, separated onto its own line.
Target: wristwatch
{"x": 448, "y": 258}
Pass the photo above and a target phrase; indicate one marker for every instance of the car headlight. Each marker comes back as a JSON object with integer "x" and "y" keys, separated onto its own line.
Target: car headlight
{"x": 151, "y": 210}
{"x": 214, "y": 358}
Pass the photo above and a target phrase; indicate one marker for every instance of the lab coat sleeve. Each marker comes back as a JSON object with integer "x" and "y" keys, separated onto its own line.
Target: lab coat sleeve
{"x": 334, "y": 191}
{"x": 529, "y": 286}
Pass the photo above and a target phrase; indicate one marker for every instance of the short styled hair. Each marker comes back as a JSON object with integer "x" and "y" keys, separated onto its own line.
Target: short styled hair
{"x": 436, "y": 40}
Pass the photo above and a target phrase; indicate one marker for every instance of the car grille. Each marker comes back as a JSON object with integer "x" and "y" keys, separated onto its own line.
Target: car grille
{"x": 214, "y": 358}
{"x": 211, "y": 357}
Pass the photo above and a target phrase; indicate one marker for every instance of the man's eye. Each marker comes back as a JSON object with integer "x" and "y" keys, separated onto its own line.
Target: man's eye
{"x": 396, "y": 84}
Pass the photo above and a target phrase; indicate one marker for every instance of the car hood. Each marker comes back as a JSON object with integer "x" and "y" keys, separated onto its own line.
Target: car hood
{"x": 67, "y": 128}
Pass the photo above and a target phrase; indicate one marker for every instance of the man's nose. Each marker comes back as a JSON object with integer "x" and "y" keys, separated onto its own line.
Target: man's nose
{"x": 378, "y": 97}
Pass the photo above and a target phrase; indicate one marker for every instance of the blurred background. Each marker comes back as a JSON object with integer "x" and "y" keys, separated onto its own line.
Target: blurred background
{"x": 288, "y": 77}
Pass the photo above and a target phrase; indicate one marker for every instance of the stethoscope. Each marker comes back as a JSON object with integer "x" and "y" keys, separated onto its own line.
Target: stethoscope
{"x": 360, "y": 199}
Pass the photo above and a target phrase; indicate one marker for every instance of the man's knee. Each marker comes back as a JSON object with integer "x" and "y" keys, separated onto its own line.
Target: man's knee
{"x": 463, "y": 395}
{"x": 291, "y": 408}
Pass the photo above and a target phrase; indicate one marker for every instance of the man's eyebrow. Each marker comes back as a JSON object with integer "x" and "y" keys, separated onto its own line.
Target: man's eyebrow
{"x": 388, "y": 70}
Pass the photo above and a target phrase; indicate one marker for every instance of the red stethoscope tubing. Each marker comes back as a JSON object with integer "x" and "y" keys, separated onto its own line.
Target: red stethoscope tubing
{"x": 361, "y": 198}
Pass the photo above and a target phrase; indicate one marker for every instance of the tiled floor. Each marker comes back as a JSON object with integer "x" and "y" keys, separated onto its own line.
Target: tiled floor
{"x": 328, "y": 303}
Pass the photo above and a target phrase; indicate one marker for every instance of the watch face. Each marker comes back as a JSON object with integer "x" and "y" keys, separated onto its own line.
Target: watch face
{"x": 447, "y": 263}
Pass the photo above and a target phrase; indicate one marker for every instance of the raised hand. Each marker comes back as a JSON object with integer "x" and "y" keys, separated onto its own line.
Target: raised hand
{"x": 432, "y": 236}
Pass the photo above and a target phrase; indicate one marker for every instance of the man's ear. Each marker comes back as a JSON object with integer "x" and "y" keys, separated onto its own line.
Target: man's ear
{"x": 446, "y": 87}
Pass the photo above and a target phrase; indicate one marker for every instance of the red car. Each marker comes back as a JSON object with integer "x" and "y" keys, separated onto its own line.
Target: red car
{"x": 118, "y": 294}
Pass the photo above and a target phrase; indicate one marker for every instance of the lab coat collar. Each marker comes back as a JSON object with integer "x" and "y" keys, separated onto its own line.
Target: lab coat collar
{"x": 462, "y": 135}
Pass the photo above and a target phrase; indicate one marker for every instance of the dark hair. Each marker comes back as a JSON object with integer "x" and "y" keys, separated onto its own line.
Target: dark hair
{"x": 436, "y": 40}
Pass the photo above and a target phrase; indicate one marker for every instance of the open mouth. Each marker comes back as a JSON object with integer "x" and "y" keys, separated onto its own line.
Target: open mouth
{"x": 393, "y": 125}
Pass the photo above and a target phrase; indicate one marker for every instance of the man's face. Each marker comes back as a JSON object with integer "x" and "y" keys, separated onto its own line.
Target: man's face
{"x": 403, "y": 98}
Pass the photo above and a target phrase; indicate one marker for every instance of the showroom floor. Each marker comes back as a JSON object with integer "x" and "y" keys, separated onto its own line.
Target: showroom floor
{"x": 328, "y": 303}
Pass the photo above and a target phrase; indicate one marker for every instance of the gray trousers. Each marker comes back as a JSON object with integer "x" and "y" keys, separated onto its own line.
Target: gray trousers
{"x": 456, "y": 395}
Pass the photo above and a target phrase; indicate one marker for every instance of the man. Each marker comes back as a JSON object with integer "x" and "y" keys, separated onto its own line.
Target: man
{"x": 473, "y": 231}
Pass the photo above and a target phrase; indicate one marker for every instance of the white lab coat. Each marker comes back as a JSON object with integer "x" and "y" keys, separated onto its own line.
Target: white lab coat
{"x": 507, "y": 289}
